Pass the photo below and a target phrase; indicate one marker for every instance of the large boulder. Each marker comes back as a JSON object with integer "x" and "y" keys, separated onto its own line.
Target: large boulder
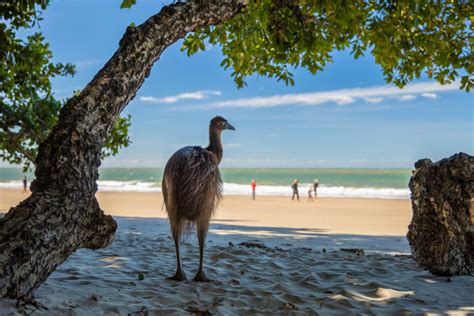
{"x": 441, "y": 232}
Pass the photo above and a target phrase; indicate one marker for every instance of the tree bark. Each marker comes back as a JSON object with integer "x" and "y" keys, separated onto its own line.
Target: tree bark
{"x": 441, "y": 232}
{"x": 62, "y": 214}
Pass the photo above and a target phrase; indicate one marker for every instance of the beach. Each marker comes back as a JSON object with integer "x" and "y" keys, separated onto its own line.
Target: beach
{"x": 269, "y": 256}
{"x": 384, "y": 217}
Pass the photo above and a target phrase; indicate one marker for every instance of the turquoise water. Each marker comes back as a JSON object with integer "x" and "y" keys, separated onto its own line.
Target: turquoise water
{"x": 347, "y": 177}
{"x": 377, "y": 178}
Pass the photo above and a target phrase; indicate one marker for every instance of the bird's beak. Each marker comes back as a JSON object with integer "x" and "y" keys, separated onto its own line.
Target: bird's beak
{"x": 228, "y": 126}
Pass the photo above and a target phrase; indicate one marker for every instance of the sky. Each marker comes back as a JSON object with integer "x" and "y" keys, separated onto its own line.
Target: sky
{"x": 344, "y": 116}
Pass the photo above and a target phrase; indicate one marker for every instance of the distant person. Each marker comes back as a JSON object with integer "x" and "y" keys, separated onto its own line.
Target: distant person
{"x": 254, "y": 185}
{"x": 315, "y": 188}
{"x": 310, "y": 194}
{"x": 25, "y": 184}
{"x": 294, "y": 186}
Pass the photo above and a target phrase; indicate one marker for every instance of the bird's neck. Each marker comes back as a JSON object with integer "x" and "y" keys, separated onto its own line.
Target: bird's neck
{"x": 215, "y": 145}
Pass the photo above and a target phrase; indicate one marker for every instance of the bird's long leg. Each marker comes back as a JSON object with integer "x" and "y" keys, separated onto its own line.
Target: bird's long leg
{"x": 202, "y": 228}
{"x": 176, "y": 231}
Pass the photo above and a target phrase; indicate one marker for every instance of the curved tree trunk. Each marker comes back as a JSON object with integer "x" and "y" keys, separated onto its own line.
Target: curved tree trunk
{"x": 62, "y": 214}
{"x": 441, "y": 232}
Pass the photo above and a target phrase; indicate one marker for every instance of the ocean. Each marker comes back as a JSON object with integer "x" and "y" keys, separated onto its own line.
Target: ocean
{"x": 333, "y": 182}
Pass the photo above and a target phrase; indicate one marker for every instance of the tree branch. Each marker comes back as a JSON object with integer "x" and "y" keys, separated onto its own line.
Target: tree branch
{"x": 18, "y": 147}
{"x": 86, "y": 120}
{"x": 62, "y": 214}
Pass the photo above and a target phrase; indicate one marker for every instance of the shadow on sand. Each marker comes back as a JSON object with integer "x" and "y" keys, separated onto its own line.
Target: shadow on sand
{"x": 285, "y": 277}
{"x": 316, "y": 238}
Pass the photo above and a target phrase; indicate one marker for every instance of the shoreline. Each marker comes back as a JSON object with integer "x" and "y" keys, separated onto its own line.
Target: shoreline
{"x": 238, "y": 189}
{"x": 303, "y": 197}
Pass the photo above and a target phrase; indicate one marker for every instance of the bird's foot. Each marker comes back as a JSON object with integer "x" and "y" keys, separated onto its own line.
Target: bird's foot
{"x": 201, "y": 277}
{"x": 178, "y": 276}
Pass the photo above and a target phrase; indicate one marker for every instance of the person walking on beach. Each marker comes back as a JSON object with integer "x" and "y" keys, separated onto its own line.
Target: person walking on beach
{"x": 254, "y": 185}
{"x": 310, "y": 194}
{"x": 294, "y": 186}
{"x": 315, "y": 188}
{"x": 25, "y": 184}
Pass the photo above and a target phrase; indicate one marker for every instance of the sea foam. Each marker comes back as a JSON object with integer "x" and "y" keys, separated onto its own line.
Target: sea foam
{"x": 244, "y": 189}
{"x": 323, "y": 191}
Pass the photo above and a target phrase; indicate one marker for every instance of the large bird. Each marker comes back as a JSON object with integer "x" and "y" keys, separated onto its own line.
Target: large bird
{"x": 192, "y": 188}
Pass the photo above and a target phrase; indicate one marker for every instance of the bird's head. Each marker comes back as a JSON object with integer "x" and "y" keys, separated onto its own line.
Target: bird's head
{"x": 219, "y": 123}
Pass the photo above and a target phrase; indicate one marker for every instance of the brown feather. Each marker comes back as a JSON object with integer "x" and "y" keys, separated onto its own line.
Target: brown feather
{"x": 192, "y": 187}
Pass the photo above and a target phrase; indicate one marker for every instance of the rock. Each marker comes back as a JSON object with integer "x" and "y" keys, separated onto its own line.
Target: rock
{"x": 197, "y": 311}
{"x": 95, "y": 297}
{"x": 142, "y": 312}
{"x": 441, "y": 232}
{"x": 289, "y": 307}
{"x": 253, "y": 244}
{"x": 357, "y": 251}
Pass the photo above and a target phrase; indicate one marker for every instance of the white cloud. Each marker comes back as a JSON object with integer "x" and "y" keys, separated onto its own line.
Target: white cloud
{"x": 195, "y": 95}
{"x": 374, "y": 99}
{"x": 407, "y": 97}
{"x": 430, "y": 95}
{"x": 373, "y": 94}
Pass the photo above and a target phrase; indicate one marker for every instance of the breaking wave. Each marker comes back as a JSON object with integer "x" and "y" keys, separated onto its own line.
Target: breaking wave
{"x": 244, "y": 189}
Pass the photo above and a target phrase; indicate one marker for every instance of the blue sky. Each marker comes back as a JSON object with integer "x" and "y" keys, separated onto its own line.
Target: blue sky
{"x": 345, "y": 116}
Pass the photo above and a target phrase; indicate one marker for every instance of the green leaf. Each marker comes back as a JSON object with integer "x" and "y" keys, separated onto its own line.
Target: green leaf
{"x": 28, "y": 108}
{"x": 407, "y": 39}
{"x": 127, "y": 4}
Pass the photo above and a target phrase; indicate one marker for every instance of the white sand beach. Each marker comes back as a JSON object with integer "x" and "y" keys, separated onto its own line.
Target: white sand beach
{"x": 291, "y": 263}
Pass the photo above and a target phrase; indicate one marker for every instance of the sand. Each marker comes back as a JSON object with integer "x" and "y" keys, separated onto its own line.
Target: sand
{"x": 374, "y": 216}
{"x": 296, "y": 266}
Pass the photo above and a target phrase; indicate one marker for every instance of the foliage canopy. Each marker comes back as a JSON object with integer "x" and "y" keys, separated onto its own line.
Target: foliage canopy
{"x": 407, "y": 38}
{"x": 28, "y": 108}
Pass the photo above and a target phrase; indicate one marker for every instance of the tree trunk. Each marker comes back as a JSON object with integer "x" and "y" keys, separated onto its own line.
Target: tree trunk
{"x": 441, "y": 233}
{"x": 62, "y": 214}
